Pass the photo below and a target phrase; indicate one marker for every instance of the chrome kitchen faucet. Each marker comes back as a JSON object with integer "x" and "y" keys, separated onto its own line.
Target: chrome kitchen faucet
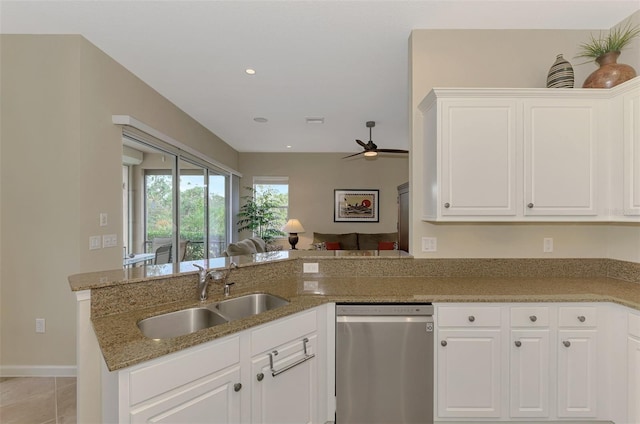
{"x": 216, "y": 276}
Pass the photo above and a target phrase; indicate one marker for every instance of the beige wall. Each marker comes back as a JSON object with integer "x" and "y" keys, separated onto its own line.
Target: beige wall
{"x": 503, "y": 58}
{"x": 314, "y": 176}
{"x": 61, "y": 167}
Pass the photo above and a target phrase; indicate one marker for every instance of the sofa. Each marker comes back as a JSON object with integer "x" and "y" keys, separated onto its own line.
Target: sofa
{"x": 249, "y": 246}
{"x": 355, "y": 241}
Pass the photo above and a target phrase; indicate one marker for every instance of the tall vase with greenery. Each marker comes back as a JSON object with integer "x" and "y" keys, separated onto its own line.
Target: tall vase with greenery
{"x": 605, "y": 49}
{"x": 260, "y": 215}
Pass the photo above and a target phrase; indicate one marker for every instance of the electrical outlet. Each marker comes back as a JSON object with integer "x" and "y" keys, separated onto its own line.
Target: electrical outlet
{"x": 429, "y": 244}
{"x": 94, "y": 242}
{"x": 547, "y": 245}
{"x": 311, "y": 267}
{"x": 109, "y": 240}
{"x": 104, "y": 219}
{"x": 40, "y": 325}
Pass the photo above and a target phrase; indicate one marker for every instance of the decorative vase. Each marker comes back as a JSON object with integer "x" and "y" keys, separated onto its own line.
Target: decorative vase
{"x": 561, "y": 74}
{"x": 610, "y": 73}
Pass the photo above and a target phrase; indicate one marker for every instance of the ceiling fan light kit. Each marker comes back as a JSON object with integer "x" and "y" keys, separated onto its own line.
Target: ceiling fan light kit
{"x": 370, "y": 148}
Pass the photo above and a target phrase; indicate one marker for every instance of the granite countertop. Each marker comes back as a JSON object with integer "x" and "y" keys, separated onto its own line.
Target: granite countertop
{"x": 123, "y": 345}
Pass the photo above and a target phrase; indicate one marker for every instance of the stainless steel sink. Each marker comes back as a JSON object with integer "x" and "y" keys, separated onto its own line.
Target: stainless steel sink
{"x": 251, "y": 304}
{"x": 179, "y": 323}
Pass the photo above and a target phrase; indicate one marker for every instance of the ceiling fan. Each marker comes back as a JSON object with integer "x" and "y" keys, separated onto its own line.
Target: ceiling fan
{"x": 370, "y": 148}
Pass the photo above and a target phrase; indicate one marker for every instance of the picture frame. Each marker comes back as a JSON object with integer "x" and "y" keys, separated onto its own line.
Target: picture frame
{"x": 351, "y": 205}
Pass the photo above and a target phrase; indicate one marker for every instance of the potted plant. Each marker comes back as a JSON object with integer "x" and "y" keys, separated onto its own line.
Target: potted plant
{"x": 259, "y": 214}
{"x": 605, "y": 49}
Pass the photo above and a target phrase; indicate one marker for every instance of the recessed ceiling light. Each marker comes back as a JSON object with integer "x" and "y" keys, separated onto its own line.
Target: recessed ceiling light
{"x": 260, "y": 119}
{"x": 288, "y": 146}
{"x": 314, "y": 120}
{"x": 250, "y": 71}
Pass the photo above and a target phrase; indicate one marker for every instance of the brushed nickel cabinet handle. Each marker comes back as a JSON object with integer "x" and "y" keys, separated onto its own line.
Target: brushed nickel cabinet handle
{"x": 237, "y": 387}
{"x": 447, "y": 205}
{"x": 566, "y": 343}
{"x": 518, "y": 343}
{"x": 582, "y": 318}
{"x": 260, "y": 376}
{"x": 472, "y": 318}
{"x": 530, "y": 205}
{"x": 443, "y": 343}
{"x": 533, "y": 318}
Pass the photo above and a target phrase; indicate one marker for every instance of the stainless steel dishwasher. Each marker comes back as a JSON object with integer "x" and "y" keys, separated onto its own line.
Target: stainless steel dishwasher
{"x": 384, "y": 363}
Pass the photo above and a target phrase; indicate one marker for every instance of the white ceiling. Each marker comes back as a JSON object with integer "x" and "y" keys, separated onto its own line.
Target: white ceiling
{"x": 345, "y": 61}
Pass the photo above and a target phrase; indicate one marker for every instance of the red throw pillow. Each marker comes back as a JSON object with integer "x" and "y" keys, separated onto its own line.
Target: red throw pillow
{"x": 332, "y": 245}
{"x": 386, "y": 245}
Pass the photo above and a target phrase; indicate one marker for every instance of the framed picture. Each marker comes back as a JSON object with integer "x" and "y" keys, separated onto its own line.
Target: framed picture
{"x": 356, "y": 206}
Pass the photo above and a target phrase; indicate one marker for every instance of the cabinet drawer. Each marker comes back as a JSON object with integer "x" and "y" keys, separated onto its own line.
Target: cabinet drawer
{"x": 530, "y": 316}
{"x": 634, "y": 325}
{"x": 580, "y": 316}
{"x": 456, "y": 316}
{"x": 167, "y": 373}
{"x": 280, "y": 332}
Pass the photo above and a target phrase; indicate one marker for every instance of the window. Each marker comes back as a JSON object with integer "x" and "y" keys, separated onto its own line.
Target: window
{"x": 275, "y": 189}
{"x": 173, "y": 199}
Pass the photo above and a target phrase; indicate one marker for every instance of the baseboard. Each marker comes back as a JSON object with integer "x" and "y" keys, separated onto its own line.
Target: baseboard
{"x": 38, "y": 371}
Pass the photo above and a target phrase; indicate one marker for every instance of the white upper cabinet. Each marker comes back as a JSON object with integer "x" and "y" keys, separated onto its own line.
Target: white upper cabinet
{"x": 531, "y": 154}
{"x": 631, "y": 149}
{"x": 479, "y": 157}
{"x": 560, "y": 149}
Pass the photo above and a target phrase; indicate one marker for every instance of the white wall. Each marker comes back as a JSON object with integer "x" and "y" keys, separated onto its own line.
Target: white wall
{"x": 503, "y": 58}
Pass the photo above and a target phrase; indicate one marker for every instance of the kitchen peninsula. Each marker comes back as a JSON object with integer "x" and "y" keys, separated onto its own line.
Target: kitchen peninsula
{"x": 119, "y": 299}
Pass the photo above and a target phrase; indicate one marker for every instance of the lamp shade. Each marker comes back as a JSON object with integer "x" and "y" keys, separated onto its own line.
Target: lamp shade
{"x": 293, "y": 226}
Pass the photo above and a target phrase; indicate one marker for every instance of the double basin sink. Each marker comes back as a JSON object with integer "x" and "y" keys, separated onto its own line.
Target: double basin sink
{"x": 185, "y": 321}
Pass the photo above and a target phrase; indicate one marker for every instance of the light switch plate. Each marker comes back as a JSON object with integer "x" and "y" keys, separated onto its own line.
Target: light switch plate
{"x": 109, "y": 240}
{"x": 311, "y": 267}
{"x": 94, "y": 242}
{"x": 429, "y": 244}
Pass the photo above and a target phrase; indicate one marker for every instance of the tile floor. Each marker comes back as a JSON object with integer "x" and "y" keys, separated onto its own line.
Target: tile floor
{"x": 38, "y": 400}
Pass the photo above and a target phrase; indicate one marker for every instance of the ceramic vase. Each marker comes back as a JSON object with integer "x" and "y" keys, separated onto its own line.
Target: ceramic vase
{"x": 561, "y": 74}
{"x": 610, "y": 73}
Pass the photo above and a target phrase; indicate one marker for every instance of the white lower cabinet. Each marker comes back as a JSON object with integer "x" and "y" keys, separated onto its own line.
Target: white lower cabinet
{"x": 285, "y": 383}
{"x": 633, "y": 369}
{"x": 214, "y": 400}
{"x": 468, "y": 362}
{"x": 519, "y": 361}
{"x": 577, "y": 373}
{"x": 230, "y": 380}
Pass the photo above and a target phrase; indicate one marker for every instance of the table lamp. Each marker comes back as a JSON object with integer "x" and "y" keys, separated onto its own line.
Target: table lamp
{"x": 293, "y": 227}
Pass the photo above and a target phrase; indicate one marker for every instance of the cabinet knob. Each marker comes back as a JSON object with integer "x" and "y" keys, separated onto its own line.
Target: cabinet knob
{"x": 471, "y": 318}
{"x": 260, "y": 377}
{"x": 443, "y": 343}
{"x": 566, "y": 343}
{"x": 533, "y": 318}
{"x": 582, "y": 318}
{"x": 447, "y": 205}
{"x": 530, "y": 205}
{"x": 237, "y": 387}
{"x": 518, "y": 343}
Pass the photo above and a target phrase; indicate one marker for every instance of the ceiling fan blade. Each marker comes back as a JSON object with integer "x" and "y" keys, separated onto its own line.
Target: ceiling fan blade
{"x": 355, "y": 154}
{"x": 361, "y": 143}
{"x": 393, "y": 151}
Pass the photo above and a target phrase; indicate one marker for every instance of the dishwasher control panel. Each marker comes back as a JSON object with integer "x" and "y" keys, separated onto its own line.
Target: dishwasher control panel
{"x": 386, "y": 309}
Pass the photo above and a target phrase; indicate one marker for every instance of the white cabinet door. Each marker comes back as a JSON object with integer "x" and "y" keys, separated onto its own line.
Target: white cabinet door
{"x": 631, "y": 167}
{"x": 478, "y": 161}
{"x": 577, "y": 373}
{"x": 468, "y": 373}
{"x": 213, "y": 399}
{"x": 633, "y": 386}
{"x": 290, "y": 396}
{"x": 529, "y": 373}
{"x": 560, "y": 172}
